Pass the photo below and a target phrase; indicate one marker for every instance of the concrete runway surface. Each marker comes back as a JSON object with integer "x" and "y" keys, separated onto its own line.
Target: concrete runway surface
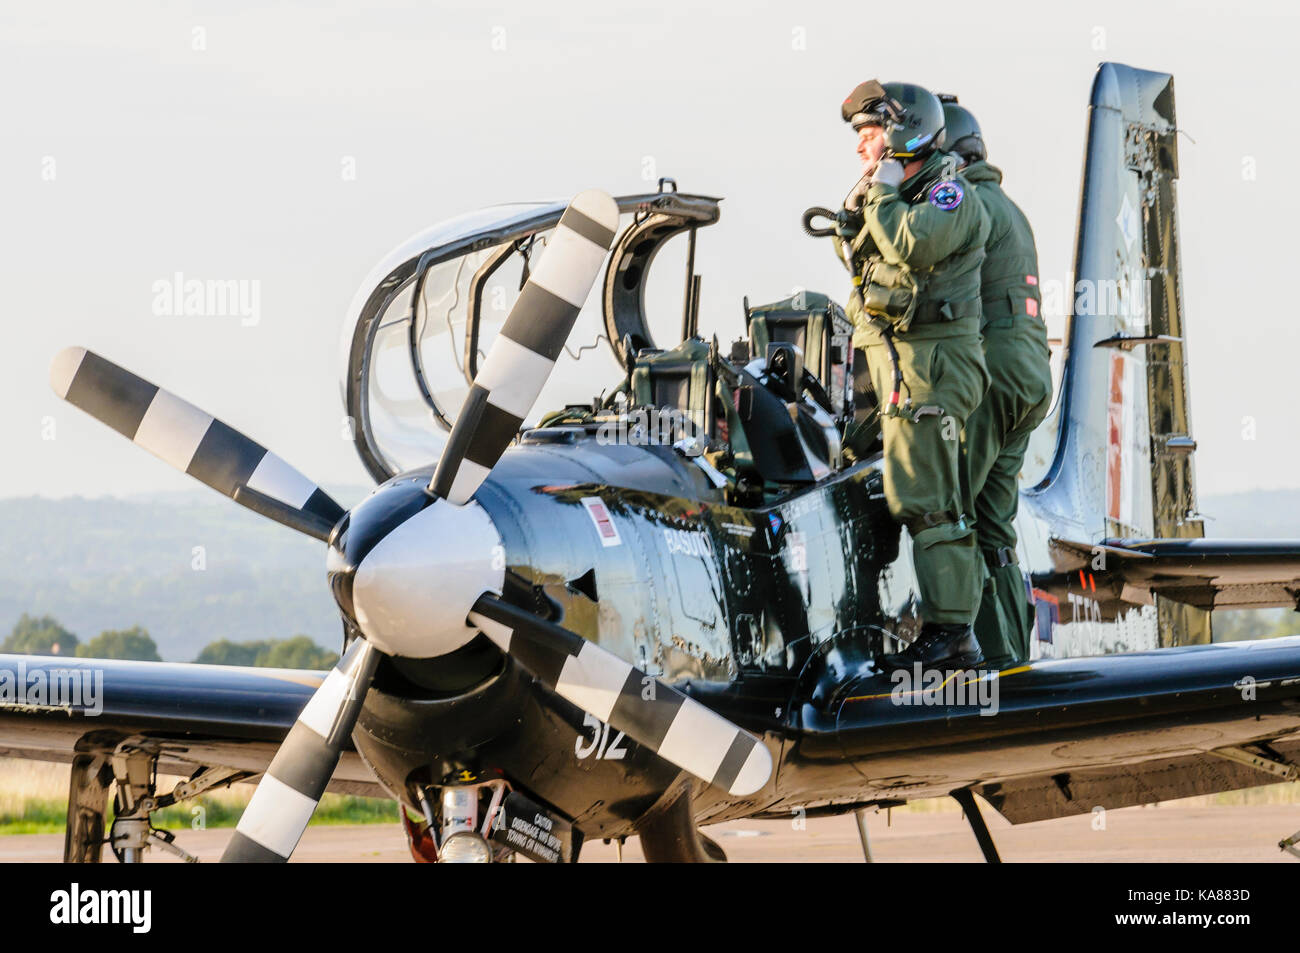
{"x": 1165, "y": 833}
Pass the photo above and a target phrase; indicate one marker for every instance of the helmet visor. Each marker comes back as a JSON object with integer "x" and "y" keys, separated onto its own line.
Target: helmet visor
{"x": 865, "y": 104}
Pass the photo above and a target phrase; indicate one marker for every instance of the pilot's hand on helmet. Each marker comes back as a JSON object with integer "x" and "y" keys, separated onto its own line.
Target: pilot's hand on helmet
{"x": 887, "y": 172}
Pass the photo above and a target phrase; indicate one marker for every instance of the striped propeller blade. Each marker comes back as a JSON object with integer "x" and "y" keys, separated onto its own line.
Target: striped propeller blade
{"x": 193, "y": 441}
{"x": 286, "y": 797}
{"x": 524, "y": 353}
{"x": 655, "y": 715}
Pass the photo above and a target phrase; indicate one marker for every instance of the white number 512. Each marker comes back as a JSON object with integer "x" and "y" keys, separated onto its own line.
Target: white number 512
{"x": 599, "y": 744}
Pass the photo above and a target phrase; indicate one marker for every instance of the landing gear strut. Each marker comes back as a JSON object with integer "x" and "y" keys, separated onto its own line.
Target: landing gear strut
{"x": 966, "y": 799}
{"x": 669, "y": 835}
{"x": 135, "y": 771}
{"x": 131, "y": 770}
{"x": 860, "y": 815}
{"x": 1269, "y": 761}
{"x": 83, "y": 839}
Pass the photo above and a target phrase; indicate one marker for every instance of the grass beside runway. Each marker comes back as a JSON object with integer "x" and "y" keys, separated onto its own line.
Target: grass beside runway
{"x": 34, "y": 800}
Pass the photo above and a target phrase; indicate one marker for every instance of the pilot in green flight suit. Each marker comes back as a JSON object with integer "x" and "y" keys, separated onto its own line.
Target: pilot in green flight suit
{"x": 997, "y": 434}
{"x": 915, "y": 254}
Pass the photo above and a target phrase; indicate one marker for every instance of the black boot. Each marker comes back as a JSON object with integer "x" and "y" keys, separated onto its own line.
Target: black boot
{"x": 941, "y": 645}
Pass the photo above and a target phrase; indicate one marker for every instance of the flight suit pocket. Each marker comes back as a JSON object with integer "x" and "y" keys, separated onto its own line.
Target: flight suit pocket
{"x": 949, "y": 572}
{"x": 920, "y": 364}
{"x": 959, "y": 376}
{"x": 890, "y": 291}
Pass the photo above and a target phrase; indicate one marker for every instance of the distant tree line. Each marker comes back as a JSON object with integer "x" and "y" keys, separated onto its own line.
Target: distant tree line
{"x": 1247, "y": 625}
{"x": 297, "y": 652}
{"x": 43, "y": 635}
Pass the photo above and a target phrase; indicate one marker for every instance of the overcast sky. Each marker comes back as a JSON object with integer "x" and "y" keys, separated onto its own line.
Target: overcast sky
{"x": 142, "y": 140}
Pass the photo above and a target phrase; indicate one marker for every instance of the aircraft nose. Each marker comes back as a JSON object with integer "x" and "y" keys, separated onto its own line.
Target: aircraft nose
{"x": 407, "y": 568}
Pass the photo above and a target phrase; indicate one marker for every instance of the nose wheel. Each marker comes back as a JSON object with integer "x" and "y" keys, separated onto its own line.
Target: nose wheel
{"x": 458, "y": 822}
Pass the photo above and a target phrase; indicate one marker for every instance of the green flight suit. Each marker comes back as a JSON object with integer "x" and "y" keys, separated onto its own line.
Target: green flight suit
{"x": 916, "y": 265}
{"x": 997, "y": 434}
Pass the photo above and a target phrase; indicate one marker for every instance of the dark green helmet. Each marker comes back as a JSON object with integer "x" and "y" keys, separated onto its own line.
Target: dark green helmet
{"x": 911, "y": 115}
{"x": 963, "y": 134}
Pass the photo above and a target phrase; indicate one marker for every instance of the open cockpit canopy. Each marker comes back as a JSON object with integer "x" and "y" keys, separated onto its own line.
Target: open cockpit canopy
{"x": 426, "y": 315}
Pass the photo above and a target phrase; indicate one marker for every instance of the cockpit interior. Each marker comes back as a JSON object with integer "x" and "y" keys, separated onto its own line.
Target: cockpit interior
{"x": 765, "y": 414}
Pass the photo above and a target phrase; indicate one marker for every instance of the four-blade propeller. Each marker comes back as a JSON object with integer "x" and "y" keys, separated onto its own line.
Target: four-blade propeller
{"x": 652, "y": 713}
{"x": 193, "y": 441}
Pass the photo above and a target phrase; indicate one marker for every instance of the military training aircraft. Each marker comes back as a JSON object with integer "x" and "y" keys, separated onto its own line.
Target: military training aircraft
{"x": 662, "y": 609}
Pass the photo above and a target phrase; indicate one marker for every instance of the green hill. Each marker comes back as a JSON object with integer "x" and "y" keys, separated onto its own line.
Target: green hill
{"x": 190, "y": 568}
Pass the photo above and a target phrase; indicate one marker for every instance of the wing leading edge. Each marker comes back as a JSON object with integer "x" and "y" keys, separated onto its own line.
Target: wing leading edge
{"x": 52, "y": 709}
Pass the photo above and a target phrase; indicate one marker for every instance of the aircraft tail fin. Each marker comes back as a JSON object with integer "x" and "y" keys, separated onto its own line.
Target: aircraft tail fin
{"x": 1122, "y": 467}
{"x": 1125, "y": 446}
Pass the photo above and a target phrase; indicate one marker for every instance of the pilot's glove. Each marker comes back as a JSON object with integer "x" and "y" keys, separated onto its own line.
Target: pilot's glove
{"x": 848, "y": 222}
{"x": 888, "y": 172}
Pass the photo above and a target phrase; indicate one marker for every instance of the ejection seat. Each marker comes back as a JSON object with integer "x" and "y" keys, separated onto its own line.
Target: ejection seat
{"x": 746, "y": 409}
{"x": 817, "y": 324}
{"x": 683, "y": 381}
{"x": 820, "y": 329}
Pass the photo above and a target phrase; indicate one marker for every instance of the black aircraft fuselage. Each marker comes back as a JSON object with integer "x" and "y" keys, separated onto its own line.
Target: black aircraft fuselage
{"x": 770, "y": 616}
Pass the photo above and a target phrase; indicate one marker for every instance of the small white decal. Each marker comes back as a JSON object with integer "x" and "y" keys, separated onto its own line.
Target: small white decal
{"x": 604, "y": 523}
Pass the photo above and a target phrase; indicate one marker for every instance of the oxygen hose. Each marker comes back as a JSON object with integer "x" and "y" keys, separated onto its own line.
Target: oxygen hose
{"x": 895, "y": 371}
{"x": 885, "y": 328}
{"x": 818, "y": 212}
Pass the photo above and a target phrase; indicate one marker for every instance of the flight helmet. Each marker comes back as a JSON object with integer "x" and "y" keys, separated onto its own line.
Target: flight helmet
{"x": 911, "y": 116}
{"x": 962, "y": 135}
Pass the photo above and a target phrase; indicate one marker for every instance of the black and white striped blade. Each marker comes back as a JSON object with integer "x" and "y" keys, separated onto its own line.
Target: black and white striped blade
{"x": 655, "y": 715}
{"x": 286, "y": 797}
{"x": 193, "y": 441}
{"x": 523, "y": 355}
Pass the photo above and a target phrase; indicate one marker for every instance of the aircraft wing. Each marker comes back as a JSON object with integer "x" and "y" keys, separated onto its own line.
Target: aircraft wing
{"x": 193, "y": 715}
{"x": 1056, "y": 737}
{"x": 1205, "y": 573}
{"x": 1143, "y": 727}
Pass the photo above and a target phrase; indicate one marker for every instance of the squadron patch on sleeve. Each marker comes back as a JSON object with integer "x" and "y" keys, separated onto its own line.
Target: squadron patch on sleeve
{"x": 946, "y": 195}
